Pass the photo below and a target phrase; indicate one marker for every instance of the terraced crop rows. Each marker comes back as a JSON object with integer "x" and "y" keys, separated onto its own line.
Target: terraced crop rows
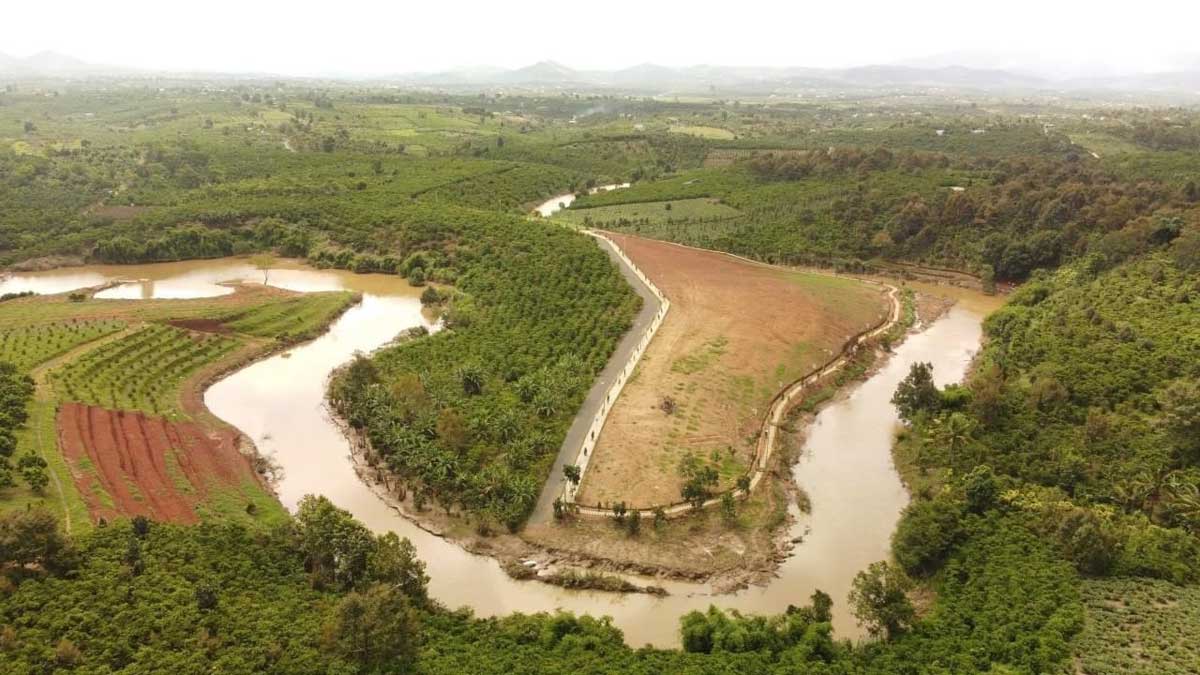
{"x": 143, "y": 371}
{"x": 296, "y": 319}
{"x": 27, "y": 346}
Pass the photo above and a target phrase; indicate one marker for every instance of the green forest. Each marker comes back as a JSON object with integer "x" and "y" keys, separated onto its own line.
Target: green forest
{"x": 1056, "y": 492}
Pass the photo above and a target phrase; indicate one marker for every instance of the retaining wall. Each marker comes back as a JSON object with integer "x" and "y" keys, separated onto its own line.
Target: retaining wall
{"x": 610, "y": 398}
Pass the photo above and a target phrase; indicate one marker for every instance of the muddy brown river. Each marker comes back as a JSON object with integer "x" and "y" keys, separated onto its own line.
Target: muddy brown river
{"x": 846, "y": 466}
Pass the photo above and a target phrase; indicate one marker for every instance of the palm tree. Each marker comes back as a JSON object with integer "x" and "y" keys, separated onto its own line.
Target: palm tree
{"x": 1183, "y": 502}
{"x": 953, "y": 432}
{"x": 1130, "y": 494}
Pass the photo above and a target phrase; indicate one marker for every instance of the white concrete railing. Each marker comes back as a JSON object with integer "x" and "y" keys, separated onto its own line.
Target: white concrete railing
{"x": 610, "y": 398}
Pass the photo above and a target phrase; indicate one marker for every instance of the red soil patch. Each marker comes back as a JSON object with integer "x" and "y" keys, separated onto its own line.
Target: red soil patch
{"x": 149, "y": 466}
{"x": 201, "y": 325}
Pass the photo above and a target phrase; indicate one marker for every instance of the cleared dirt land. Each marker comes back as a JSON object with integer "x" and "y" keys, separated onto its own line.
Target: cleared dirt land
{"x": 737, "y": 333}
{"x": 126, "y": 463}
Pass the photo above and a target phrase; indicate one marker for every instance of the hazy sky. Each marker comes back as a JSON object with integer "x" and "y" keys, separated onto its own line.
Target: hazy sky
{"x": 301, "y": 37}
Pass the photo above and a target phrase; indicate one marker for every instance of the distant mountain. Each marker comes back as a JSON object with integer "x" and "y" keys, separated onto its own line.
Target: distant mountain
{"x": 11, "y": 65}
{"x": 542, "y": 72}
{"x": 959, "y": 76}
{"x": 1187, "y": 81}
{"x": 55, "y": 64}
{"x": 646, "y": 72}
{"x": 650, "y": 76}
{"x": 456, "y": 76}
{"x": 1033, "y": 64}
{"x": 965, "y": 71}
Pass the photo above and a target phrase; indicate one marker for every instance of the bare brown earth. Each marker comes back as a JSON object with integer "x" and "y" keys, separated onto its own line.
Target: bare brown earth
{"x": 736, "y": 334}
{"x": 128, "y": 463}
{"x": 202, "y": 325}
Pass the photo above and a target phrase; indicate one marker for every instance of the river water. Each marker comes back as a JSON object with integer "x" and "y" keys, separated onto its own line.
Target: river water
{"x": 550, "y": 206}
{"x": 845, "y": 468}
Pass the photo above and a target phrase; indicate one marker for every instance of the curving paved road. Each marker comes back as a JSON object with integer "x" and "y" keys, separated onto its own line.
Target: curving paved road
{"x": 567, "y": 453}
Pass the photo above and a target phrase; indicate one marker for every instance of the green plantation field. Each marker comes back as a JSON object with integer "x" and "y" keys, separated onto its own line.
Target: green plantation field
{"x": 125, "y": 355}
{"x": 512, "y": 188}
{"x": 28, "y": 346}
{"x": 144, "y": 371}
{"x": 1054, "y": 516}
{"x": 277, "y": 311}
{"x": 643, "y": 214}
{"x": 714, "y": 133}
{"x": 1139, "y": 627}
{"x": 292, "y": 319}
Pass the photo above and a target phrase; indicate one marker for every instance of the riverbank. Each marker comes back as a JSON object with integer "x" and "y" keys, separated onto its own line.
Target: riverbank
{"x": 709, "y": 547}
{"x": 280, "y": 403}
{"x": 517, "y": 557}
{"x": 193, "y": 391}
{"x": 701, "y": 548}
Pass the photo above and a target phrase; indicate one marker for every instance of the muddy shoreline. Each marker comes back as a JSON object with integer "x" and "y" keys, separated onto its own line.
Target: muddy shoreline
{"x": 192, "y": 392}
{"x": 518, "y": 558}
{"x": 523, "y": 559}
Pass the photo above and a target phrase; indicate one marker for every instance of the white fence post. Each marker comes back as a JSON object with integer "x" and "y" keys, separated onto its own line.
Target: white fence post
{"x": 593, "y": 435}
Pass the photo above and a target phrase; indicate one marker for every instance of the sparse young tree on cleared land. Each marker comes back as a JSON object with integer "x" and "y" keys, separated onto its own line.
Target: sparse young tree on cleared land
{"x": 729, "y": 509}
{"x": 633, "y": 523}
{"x": 263, "y": 262}
{"x": 699, "y": 480}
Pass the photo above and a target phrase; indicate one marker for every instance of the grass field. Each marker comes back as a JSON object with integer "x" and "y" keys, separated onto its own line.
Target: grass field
{"x": 1104, "y": 144}
{"x": 737, "y": 333}
{"x": 292, "y": 319}
{"x": 711, "y": 133}
{"x": 650, "y": 214}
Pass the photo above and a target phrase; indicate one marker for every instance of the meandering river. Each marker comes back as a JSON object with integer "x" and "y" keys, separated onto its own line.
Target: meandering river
{"x": 550, "y": 206}
{"x": 846, "y": 466}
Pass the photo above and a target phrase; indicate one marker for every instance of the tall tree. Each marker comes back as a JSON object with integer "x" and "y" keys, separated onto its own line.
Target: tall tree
{"x": 917, "y": 393}
{"x": 377, "y": 629}
{"x": 878, "y": 598}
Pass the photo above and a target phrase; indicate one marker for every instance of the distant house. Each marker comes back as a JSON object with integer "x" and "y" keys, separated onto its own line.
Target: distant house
{"x": 940, "y": 132}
